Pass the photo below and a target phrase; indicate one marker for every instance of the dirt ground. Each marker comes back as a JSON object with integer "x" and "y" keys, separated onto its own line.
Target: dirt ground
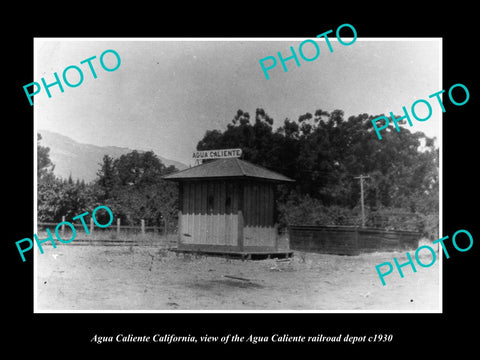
{"x": 87, "y": 277}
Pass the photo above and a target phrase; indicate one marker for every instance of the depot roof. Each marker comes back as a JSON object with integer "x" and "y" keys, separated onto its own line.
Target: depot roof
{"x": 228, "y": 168}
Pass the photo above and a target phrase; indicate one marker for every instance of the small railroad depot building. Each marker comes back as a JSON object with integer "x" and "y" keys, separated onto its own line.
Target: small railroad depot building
{"x": 227, "y": 206}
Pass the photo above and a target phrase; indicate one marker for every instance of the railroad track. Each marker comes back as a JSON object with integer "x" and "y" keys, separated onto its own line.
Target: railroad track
{"x": 114, "y": 243}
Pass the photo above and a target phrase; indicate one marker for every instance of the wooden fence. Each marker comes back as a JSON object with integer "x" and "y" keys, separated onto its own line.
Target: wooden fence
{"x": 350, "y": 240}
{"x": 114, "y": 234}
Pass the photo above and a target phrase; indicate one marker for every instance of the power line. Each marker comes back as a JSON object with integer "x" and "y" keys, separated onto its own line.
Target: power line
{"x": 362, "y": 177}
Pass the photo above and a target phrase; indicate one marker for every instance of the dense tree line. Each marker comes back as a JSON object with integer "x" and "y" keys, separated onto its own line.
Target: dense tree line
{"x": 324, "y": 151}
{"x": 131, "y": 186}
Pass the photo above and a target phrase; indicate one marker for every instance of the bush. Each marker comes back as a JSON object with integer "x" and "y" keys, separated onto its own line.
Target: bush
{"x": 298, "y": 210}
{"x": 308, "y": 211}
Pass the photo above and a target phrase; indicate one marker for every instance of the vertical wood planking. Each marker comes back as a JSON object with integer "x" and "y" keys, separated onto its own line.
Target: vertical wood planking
{"x": 203, "y": 212}
{"x": 254, "y": 211}
{"x": 234, "y": 208}
{"x": 267, "y": 205}
{"x": 180, "y": 213}
{"x": 198, "y": 217}
{"x": 186, "y": 207}
{"x": 268, "y": 223}
{"x": 252, "y": 202}
{"x": 233, "y": 226}
{"x": 271, "y": 205}
{"x": 240, "y": 188}
{"x": 184, "y": 211}
{"x": 257, "y": 211}
{"x": 251, "y": 214}
{"x": 192, "y": 212}
{"x": 217, "y": 212}
{"x": 222, "y": 236}
{"x": 265, "y": 231}
{"x": 265, "y": 224}
{"x": 186, "y": 228}
{"x": 209, "y": 214}
{"x": 228, "y": 213}
{"x": 234, "y": 215}
{"x": 246, "y": 212}
{"x": 257, "y": 205}
{"x": 262, "y": 205}
{"x": 248, "y": 202}
{"x": 248, "y": 222}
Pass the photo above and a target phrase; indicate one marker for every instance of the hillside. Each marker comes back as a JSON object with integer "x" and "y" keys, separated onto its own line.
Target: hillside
{"x": 82, "y": 160}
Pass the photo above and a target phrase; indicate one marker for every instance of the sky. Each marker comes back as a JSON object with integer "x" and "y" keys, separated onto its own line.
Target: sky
{"x": 168, "y": 92}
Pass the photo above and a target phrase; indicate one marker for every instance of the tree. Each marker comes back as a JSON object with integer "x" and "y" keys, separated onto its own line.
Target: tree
{"x": 106, "y": 177}
{"x": 44, "y": 164}
{"x": 56, "y": 197}
{"x": 323, "y": 152}
{"x": 47, "y": 186}
{"x": 133, "y": 187}
{"x": 256, "y": 140}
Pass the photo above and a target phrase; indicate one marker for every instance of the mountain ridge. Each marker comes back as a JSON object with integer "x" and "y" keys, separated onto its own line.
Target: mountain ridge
{"x": 81, "y": 160}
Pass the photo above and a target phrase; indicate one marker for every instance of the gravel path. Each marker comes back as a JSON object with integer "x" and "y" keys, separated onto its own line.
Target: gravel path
{"x": 149, "y": 278}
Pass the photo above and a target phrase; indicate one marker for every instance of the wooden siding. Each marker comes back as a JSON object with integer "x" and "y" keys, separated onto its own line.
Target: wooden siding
{"x": 258, "y": 204}
{"x": 209, "y": 213}
{"x": 233, "y": 214}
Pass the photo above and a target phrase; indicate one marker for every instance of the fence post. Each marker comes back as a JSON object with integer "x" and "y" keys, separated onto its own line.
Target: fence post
{"x": 91, "y": 224}
{"x": 143, "y": 226}
{"x": 118, "y": 226}
{"x": 63, "y": 225}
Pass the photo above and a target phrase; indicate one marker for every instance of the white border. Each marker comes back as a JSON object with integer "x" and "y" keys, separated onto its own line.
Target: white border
{"x": 440, "y": 145}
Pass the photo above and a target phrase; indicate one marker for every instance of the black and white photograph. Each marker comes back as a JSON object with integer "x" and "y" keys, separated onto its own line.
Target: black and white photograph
{"x": 238, "y": 174}
{"x": 218, "y": 180}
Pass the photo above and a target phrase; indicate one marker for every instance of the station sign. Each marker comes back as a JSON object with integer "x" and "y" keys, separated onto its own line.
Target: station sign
{"x": 217, "y": 154}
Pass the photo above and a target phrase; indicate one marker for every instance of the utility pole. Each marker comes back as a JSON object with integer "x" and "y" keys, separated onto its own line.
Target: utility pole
{"x": 362, "y": 177}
